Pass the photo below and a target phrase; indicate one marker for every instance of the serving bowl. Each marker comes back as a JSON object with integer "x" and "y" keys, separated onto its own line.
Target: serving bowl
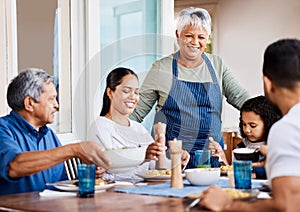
{"x": 246, "y": 154}
{"x": 125, "y": 159}
{"x": 202, "y": 176}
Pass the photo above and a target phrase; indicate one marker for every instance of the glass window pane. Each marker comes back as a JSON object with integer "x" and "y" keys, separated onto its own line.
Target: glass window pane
{"x": 40, "y": 35}
{"x": 128, "y": 38}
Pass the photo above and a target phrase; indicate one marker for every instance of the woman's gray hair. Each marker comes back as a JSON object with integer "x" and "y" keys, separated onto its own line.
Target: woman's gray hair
{"x": 29, "y": 82}
{"x": 195, "y": 17}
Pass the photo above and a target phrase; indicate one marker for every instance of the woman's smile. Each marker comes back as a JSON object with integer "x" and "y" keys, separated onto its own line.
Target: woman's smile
{"x": 130, "y": 104}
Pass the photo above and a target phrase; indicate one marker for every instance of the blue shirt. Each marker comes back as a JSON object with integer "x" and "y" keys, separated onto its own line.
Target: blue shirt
{"x": 17, "y": 136}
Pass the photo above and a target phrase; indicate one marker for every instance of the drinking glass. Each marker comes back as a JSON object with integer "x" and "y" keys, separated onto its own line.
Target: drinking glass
{"x": 86, "y": 180}
{"x": 203, "y": 158}
{"x": 242, "y": 174}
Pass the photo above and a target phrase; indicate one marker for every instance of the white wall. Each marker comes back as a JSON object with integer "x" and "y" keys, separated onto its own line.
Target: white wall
{"x": 35, "y": 33}
{"x": 243, "y": 29}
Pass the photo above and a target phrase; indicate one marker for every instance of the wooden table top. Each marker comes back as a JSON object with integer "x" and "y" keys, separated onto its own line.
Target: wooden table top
{"x": 105, "y": 201}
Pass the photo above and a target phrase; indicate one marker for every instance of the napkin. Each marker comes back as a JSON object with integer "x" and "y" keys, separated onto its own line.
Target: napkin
{"x": 125, "y": 183}
{"x": 263, "y": 195}
{"x": 51, "y": 193}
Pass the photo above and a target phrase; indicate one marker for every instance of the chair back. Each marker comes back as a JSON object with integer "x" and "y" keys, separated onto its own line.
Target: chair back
{"x": 71, "y": 168}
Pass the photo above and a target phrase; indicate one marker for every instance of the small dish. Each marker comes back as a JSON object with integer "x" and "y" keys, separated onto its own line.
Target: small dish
{"x": 246, "y": 154}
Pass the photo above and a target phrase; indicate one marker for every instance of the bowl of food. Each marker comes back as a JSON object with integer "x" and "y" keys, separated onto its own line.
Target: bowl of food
{"x": 125, "y": 159}
{"x": 246, "y": 154}
{"x": 202, "y": 176}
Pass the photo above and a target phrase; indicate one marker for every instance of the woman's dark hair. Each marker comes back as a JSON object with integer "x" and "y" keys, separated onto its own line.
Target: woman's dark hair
{"x": 114, "y": 79}
{"x": 282, "y": 62}
{"x": 261, "y": 106}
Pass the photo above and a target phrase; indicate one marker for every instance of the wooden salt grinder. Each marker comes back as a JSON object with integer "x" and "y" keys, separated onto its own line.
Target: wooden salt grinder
{"x": 160, "y": 132}
{"x": 176, "y": 149}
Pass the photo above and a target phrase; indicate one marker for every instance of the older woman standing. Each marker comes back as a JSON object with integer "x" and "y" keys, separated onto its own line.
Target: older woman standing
{"x": 188, "y": 87}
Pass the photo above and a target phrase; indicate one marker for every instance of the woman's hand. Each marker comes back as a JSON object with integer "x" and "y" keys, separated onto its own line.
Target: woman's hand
{"x": 154, "y": 150}
{"x": 185, "y": 157}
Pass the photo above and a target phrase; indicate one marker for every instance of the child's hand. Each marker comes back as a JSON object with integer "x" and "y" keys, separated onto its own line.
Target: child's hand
{"x": 214, "y": 147}
{"x": 263, "y": 150}
{"x": 217, "y": 151}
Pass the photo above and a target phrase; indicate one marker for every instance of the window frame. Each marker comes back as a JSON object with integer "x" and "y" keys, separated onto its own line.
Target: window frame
{"x": 82, "y": 45}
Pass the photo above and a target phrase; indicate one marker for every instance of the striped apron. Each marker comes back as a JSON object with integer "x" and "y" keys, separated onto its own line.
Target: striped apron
{"x": 192, "y": 112}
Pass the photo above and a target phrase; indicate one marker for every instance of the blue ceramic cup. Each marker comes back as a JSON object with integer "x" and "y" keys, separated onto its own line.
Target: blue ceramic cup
{"x": 242, "y": 174}
{"x": 86, "y": 180}
{"x": 203, "y": 158}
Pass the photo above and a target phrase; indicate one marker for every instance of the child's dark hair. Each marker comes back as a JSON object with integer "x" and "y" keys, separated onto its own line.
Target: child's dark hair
{"x": 261, "y": 106}
{"x": 114, "y": 79}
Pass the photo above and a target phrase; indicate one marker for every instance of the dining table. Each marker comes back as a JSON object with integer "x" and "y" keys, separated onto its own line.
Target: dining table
{"x": 145, "y": 196}
{"x": 108, "y": 200}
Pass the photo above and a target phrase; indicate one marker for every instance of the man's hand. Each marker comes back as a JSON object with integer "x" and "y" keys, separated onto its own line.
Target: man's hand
{"x": 91, "y": 152}
{"x": 99, "y": 172}
{"x": 214, "y": 198}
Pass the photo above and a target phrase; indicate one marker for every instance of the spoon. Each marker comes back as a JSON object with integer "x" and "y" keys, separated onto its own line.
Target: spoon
{"x": 195, "y": 202}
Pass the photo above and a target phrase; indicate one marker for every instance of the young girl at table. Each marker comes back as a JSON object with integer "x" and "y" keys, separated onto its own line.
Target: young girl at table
{"x": 257, "y": 115}
{"x": 114, "y": 130}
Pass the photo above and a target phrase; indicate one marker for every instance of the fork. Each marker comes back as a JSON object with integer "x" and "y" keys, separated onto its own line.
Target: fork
{"x": 195, "y": 202}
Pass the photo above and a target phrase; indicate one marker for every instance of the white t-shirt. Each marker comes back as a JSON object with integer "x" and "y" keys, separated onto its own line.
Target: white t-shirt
{"x": 284, "y": 146}
{"x": 115, "y": 136}
{"x": 252, "y": 145}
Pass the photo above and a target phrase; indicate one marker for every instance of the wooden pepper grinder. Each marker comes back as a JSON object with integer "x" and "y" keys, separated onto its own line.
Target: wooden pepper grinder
{"x": 160, "y": 132}
{"x": 176, "y": 149}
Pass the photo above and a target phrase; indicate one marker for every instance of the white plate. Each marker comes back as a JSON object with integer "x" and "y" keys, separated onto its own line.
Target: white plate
{"x": 68, "y": 186}
{"x": 155, "y": 177}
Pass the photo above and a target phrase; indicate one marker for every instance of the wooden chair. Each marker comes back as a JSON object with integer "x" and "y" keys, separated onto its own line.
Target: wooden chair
{"x": 71, "y": 168}
{"x": 231, "y": 140}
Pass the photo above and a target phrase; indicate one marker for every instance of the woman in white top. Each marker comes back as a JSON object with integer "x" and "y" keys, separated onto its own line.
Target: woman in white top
{"x": 114, "y": 130}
